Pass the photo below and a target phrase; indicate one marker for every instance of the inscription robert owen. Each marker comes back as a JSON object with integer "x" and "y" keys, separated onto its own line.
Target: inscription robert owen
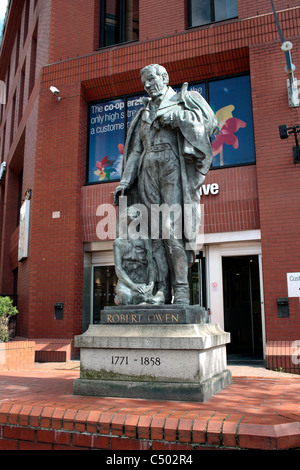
{"x": 143, "y": 317}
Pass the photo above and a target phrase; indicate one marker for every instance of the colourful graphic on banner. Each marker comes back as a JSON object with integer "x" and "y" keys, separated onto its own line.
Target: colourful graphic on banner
{"x": 228, "y": 126}
{"x": 233, "y": 143}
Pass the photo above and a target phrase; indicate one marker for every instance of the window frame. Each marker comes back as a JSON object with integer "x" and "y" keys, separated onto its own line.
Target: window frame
{"x": 212, "y": 15}
{"x": 226, "y": 77}
{"x": 126, "y": 98}
{"x": 121, "y": 25}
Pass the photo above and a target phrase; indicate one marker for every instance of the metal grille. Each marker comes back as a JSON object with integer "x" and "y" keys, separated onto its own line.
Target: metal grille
{"x": 283, "y": 356}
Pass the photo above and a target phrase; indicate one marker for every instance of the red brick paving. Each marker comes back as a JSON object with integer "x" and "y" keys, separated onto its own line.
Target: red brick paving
{"x": 38, "y": 405}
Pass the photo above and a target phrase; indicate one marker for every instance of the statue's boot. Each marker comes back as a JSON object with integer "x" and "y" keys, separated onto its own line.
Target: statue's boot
{"x": 181, "y": 295}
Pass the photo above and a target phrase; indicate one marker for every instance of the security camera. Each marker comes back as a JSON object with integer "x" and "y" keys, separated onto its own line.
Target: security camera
{"x": 2, "y": 170}
{"x": 55, "y": 91}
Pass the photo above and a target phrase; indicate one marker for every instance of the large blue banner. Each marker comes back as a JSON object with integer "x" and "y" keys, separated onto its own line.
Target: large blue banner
{"x": 106, "y": 140}
{"x": 232, "y": 144}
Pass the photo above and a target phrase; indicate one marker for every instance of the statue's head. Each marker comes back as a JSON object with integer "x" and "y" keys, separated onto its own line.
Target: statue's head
{"x": 155, "y": 80}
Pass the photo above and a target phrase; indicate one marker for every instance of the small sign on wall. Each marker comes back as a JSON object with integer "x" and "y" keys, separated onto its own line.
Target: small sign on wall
{"x": 24, "y": 230}
{"x": 293, "y": 284}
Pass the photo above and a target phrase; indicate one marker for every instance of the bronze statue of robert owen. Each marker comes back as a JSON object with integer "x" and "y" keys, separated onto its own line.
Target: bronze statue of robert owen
{"x": 166, "y": 158}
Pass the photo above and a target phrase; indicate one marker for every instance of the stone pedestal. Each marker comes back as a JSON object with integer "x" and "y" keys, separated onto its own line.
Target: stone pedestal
{"x": 162, "y": 361}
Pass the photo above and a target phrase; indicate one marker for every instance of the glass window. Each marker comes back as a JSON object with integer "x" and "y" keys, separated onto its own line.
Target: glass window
{"x": 194, "y": 283}
{"x": 112, "y": 23}
{"x": 119, "y": 21}
{"x": 233, "y": 143}
{"x": 105, "y": 281}
{"x": 199, "y": 12}
{"x": 225, "y": 9}
{"x": 208, "y": 11}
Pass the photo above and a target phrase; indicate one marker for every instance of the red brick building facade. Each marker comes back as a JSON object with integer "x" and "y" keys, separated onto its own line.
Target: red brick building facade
{"x": 252, "y": 219}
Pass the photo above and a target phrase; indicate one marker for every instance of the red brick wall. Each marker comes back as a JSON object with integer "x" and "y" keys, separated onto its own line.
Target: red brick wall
{"x": 160, "y": 19}
{"x": 19, "y": 152}
{"x": 261, "y": 7}
{"x": 278, "y": 183}
{"x": 235, "y": 207}
{"x": 57, "y": 256}
{"x": 33, "y": 426}
{"x": 91, "y": 197}
{"x": 73, "y": 29}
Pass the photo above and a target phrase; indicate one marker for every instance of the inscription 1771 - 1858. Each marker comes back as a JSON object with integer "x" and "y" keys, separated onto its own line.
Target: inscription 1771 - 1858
{"x": 143, "y": 361}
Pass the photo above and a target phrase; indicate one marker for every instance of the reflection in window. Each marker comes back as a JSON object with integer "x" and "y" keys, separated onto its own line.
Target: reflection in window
{"x": 224, "y": 9}
{"x": 105, "y": 281}
{"x": 197, "y": 282}
{"x": 193, "y": 276}
{"x": 119, "y": 21}
{"x": 208, "y": 11}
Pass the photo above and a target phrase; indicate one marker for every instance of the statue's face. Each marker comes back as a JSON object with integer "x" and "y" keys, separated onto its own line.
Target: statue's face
{"x": 154, "y": 84}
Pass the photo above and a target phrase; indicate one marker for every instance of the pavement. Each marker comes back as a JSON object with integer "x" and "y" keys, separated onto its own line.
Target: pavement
{"x": 259, "y": 410}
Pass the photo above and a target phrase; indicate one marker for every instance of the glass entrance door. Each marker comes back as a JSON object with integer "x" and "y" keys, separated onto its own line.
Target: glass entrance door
{"x": 242, "y": 306}
{"x": 105, "y": 281}
{"x": 197, "y": 282}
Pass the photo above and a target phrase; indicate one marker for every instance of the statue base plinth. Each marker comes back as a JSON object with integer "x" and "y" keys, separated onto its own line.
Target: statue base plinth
{"x": 185, "y": 362}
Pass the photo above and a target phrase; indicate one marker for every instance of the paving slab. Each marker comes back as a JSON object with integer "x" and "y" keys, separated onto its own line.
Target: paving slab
{"x": 260, "y": 409}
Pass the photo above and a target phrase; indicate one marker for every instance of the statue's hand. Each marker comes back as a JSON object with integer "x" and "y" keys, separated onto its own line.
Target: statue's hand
{"x": 149, "y": 288}
{"x": 169, "y": 119}
{"x": 119, "y": 191}
{"x": 141, "y": 288}
{"x": 144, "y": 288}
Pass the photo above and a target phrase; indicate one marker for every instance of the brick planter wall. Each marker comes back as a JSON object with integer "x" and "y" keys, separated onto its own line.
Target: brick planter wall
{"x": 39, "y": 427}
{"x": 53, "y": 350}
{"x": 283, "y": 355}
{"x": 17, "y": 355}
